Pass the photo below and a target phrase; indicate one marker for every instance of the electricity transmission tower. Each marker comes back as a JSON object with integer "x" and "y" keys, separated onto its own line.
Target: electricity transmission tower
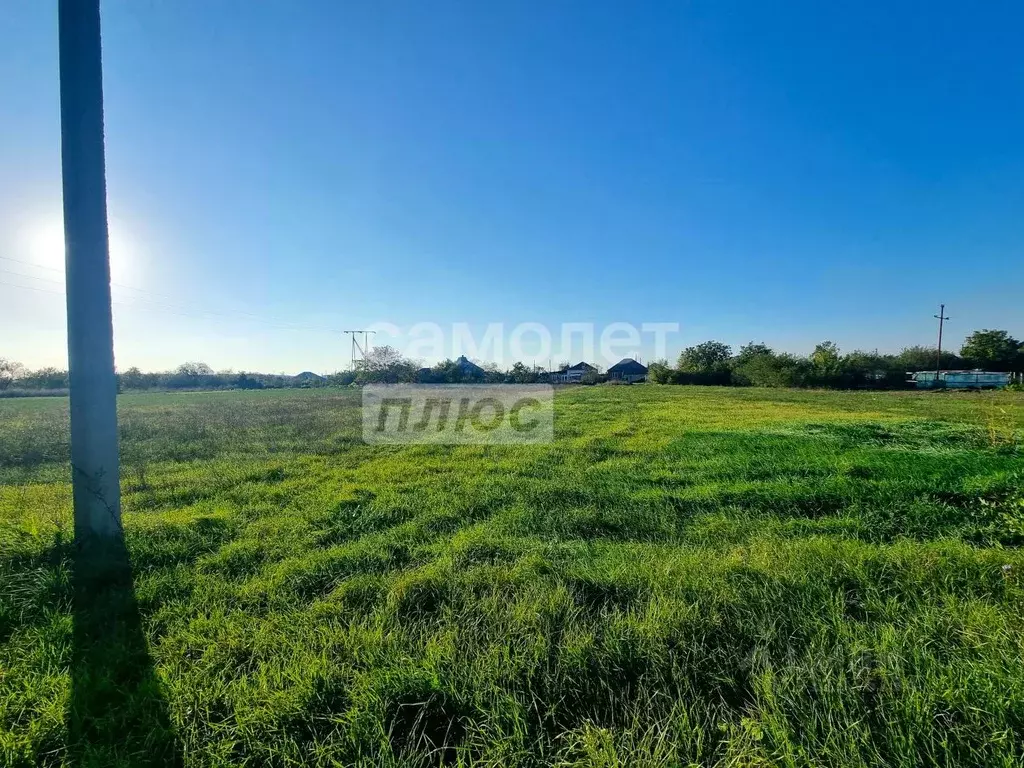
{"x": 92, "y": 381}
{"x": 361, "y": 349}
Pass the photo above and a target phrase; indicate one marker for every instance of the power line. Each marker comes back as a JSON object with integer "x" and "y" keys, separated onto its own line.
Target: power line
{"x": 32, "y": 288}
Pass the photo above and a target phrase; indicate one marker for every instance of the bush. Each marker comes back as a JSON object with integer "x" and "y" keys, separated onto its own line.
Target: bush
{"x": 659, "y": 372}
{"x": 771, "y": 370}
{"x": 20, "y": 392}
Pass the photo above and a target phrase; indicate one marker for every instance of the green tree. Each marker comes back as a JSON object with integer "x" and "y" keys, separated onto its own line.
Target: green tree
{"x": 194, "y": 370}
{"x": 871, "y": 369}
{"x": 521, "y": 374}
{"x": 771, "y": 370}
{"x": 493, "y": 374}
{"x": 340, "y": 378}
{"x": 826, "y": 358}
{"x": 752, "y": 365}
{"x": 132, "y": 378}
{"x": 752, "y": 350}
{"x": 920, "y": 358}
{"x": 707, "y": 357}
{"x": 993, "y": 350}
{"x": 44, "y": 378}
{"x": 658, "y": 372}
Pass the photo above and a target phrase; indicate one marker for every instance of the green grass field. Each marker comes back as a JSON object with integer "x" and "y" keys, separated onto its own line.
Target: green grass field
{"x": 686, "y": 576}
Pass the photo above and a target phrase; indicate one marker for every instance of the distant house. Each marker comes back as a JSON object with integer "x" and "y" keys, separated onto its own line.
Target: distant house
{"x": 468, "y": 368}
{"x": 571, "y": 374}
{"x": 628, "y": 370}
{"x": 310, "y": 379}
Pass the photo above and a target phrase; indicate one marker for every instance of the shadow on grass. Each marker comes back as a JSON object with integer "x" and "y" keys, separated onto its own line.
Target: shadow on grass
{"x": 117, "y": 714}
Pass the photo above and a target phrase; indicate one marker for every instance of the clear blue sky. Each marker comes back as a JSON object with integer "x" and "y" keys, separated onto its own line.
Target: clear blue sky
{"x": 785, "y": 172}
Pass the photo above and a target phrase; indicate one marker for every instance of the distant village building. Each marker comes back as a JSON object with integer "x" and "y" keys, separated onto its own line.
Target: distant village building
{"x": 628, "y": 370}
{"x": 310, "y": 379}
{"x": 468, "y": 368}
{"x": 571, "y": 374}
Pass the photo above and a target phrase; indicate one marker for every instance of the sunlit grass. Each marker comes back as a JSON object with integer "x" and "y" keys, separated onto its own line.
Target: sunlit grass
{"x": 687, "y": 575}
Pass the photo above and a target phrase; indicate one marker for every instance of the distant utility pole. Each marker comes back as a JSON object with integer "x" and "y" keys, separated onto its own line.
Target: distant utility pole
{"x": 362, "y": 350}
{"x": 92, "y": 382}
{"x": 941, "y": 317}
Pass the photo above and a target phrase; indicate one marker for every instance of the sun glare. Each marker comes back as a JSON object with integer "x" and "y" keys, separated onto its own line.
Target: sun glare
{"x": 44, "y": 245}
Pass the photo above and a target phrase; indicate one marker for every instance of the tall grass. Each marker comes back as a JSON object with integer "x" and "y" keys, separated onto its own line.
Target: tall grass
{"x": 685, "y": 576}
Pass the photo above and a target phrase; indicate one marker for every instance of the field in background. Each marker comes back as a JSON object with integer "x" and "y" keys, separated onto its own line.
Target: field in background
{"x": 687, "y": 575}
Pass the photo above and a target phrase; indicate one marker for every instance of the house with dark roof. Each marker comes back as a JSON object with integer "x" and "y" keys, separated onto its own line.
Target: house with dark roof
{"x": 628, "y": 370}
{"x": 468, "y": 368}
{"x": 309, "y": 379}
{"x": 571, "y": 374}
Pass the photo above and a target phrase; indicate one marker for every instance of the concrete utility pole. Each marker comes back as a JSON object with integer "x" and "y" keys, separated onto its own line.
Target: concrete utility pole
{"x": 93, "y": 385}
{"x": 938, "y": 356}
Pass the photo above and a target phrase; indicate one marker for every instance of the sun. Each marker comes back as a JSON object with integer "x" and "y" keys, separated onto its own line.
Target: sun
{"x": 44, "y": 247}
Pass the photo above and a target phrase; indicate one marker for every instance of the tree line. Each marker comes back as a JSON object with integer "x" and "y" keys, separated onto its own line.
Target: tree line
{"x": 382, "y": 364}
{"x": 711, "y": 362}
{"x": 16, "y": 379}
{"x": 386, "y": 365}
